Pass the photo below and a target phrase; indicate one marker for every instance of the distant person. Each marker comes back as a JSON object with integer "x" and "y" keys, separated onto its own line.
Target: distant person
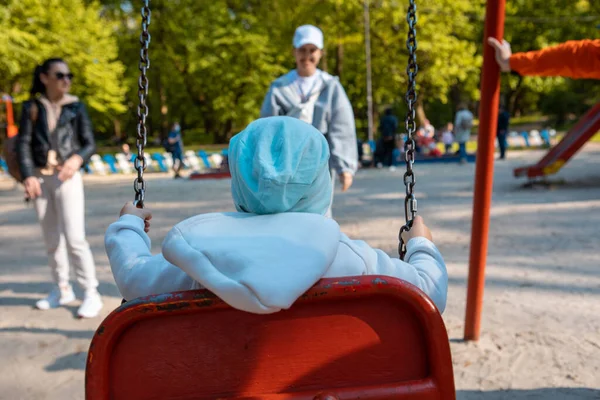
{"x": 418, "y": 137}
{"x": 463, "y": 123}
{"x": 428, "y": 146}
{"x": 126, "y": 151}
{"x": 176, "y": 148}
{"x": 55, "y": 140}
{"x": 447, "y": 138}
{"x": 361, "y": 152}
{"x": 502, "y": 131}
{"x": 428, "y": 129}
{"x": 315, "y": 97}
{"x": 388, "y": 126}
{"x": 399, "y": 152}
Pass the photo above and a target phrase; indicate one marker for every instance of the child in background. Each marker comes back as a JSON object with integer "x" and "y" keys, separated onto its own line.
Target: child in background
{"x": 448, "y": 137}
{"x": 279, "y": 243}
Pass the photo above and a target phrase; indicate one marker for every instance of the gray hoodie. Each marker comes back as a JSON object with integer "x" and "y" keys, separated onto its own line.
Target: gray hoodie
{"x": 332, "y": 115}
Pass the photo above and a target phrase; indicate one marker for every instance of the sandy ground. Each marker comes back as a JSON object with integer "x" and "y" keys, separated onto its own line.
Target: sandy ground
{"x": 541, "y": 330}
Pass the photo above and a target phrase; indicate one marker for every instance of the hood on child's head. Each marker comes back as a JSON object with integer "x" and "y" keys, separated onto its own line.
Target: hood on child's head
{"x": 280, "y": 164}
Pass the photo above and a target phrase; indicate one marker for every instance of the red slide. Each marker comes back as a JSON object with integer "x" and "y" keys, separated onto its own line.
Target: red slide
{"x": 570, "y": 144}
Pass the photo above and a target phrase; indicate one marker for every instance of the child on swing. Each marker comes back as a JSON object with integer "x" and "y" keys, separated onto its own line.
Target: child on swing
{"x": 279, "y": 243}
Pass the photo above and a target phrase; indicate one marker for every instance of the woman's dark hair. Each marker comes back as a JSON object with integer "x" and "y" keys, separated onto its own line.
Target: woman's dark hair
{"x": 38, "y": 86}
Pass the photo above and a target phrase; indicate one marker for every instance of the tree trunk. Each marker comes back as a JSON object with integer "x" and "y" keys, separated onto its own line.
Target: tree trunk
{"x": 209, "y": 127}
{"x": 164, "y": 109}
{"x": 323, "y": 65}
{"x": 375, "y": 119}
{"x": 455, "y": 96}
{"x": 515, "y": 97}
{"x": 339, "y": 60}
{"x": 224, "y": 133}
{"x": 421, "y": 117}
{"x": 117, "y": 128}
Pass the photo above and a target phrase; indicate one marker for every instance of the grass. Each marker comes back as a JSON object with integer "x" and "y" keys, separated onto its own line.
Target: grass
{"x": 471, "y": 147}
{"x": 523, "y": 120}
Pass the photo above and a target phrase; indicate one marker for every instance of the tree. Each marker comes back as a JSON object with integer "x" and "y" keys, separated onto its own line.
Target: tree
{"x": 210, "y": 66}
{"x": 40, "y": 29}
{"x": 212, "y": 62}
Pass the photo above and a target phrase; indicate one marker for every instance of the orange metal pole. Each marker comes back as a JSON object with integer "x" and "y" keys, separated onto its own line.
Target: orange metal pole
{"x": 484, "y": 170}
{"x": 11, "y": 129}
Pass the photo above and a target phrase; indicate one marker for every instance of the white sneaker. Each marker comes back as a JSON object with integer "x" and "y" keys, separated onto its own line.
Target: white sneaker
{"x": 91, "y": 306}
{"x": 57, "y": 297}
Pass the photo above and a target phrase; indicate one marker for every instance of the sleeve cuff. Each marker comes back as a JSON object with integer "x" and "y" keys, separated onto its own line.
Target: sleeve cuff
{"x": 350, "y": 171}
{"x": 419, "y": 243}
{"x": 133, "y": 220}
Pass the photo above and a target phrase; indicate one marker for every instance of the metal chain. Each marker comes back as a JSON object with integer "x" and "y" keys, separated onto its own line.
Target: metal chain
{"x": 410, "y": 201}
{"x": 139, "y": 185}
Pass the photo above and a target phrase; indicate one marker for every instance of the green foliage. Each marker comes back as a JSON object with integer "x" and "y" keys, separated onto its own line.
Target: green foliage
{"x": 212, "y": 61}
{"x": 34, "y": 30}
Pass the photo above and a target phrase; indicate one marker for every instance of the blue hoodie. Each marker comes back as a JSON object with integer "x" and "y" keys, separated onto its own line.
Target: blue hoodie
{"x": 280, "y": 164}
{"x": 263, "y": 258}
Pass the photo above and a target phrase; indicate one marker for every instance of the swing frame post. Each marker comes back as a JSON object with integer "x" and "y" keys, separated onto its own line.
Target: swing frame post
{"x": 484, "y": 169}
{"x": 11, "y": 128}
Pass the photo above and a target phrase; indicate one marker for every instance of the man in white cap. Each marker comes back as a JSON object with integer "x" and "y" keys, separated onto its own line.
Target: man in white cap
{"x": 316, "y": 97}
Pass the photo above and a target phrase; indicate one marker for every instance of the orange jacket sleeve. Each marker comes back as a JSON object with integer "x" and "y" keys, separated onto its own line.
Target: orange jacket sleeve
{"x": 572, "y": 59}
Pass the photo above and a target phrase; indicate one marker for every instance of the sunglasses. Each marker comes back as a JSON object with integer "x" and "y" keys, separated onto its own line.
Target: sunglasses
{"x": 61, "y": 75}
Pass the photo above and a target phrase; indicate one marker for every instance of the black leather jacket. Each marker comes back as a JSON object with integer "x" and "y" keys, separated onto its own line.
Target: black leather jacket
{"x": 73, "y": 130}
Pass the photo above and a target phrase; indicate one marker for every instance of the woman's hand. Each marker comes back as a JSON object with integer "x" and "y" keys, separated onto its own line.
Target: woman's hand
{"x": 503, "y": 53}
{"x": 346, "y": 179}
{"x": 142, "y": 213}
{"x": 69, "y": 167}
{"x": 419, "y": 229}
{"x": 33, "y": 188}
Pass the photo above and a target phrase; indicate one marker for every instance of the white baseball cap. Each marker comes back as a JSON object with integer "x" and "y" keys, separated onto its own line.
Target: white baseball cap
{"x": 308, "y": 34}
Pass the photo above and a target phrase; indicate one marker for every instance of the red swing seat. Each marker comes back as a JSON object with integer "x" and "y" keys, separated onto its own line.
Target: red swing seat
{"x": 369, "y": 337}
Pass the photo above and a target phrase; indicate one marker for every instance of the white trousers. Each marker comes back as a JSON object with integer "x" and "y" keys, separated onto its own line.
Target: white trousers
{"x": 61, "y": 212}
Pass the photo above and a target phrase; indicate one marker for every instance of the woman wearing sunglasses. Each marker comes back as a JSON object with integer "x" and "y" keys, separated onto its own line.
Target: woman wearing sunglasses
{"x": 55, "y": 140}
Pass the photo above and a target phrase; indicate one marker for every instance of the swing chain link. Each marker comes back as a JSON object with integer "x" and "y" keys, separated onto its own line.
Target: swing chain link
{"x": 139, "y": 184}
{"x": 410, "y": 201}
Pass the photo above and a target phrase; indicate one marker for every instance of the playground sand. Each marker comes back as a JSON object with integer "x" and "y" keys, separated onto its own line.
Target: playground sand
{"x": 540, "y": 334}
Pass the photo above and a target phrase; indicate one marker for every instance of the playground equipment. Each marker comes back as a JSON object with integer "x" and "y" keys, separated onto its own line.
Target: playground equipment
{"x": 352, "y": 338}
{"x": 368, "y": 337}
{"x": 10, "y": 142}
{"x": 11, "y": 128}
{"x": 484, "y": 169}
{"x": 570, "y": 144}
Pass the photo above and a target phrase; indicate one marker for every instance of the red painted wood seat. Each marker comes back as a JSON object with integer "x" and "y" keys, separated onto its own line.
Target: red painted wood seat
{"x": 369, "y": 337}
